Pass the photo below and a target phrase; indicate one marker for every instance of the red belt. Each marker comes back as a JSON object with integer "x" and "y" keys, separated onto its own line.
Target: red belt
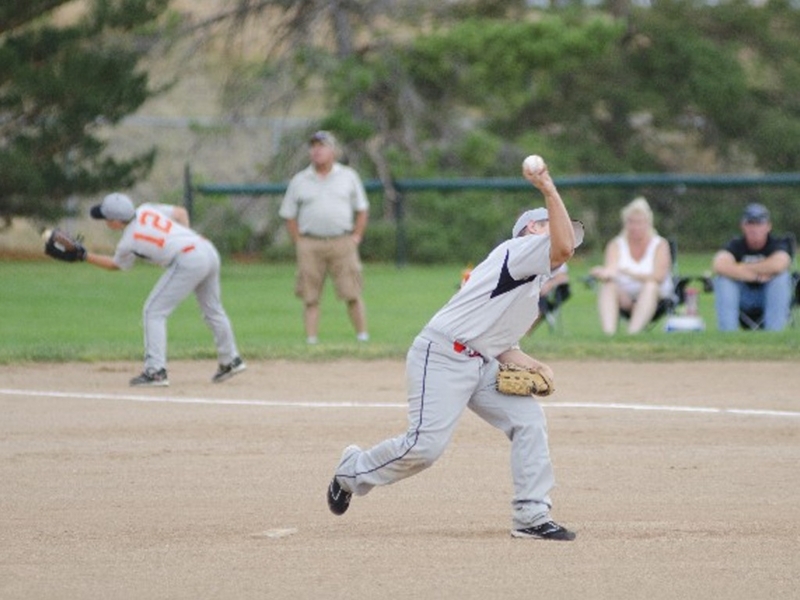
{"x": 462, "y": 349}
{"x": 188, "y": 249}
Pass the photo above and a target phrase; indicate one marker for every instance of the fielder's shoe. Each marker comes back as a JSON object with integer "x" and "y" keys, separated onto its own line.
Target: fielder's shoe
{"x": 151, "y": 378}
{"x": 227, "y": 371}
{"x": 338, "y": 499}
{"x": 546, "y": 531}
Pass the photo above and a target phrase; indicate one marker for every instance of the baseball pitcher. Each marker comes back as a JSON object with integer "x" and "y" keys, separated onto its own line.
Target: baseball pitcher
{"x": 468, "y": 356}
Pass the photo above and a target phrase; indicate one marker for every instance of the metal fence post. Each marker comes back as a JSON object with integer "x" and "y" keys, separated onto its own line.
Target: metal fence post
{"x": 401, "y": 258}
{"x": 188, "y": 192}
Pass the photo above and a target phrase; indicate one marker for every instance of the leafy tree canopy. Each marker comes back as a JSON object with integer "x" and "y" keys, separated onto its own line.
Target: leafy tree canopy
{"x": 418, "y": 89}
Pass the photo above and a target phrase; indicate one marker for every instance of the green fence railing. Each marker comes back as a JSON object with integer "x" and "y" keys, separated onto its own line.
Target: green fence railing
{"x": 402, "y": 186}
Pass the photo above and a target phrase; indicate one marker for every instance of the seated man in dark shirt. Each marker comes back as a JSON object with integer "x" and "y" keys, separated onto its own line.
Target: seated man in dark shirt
{"x": 752, "y": 274}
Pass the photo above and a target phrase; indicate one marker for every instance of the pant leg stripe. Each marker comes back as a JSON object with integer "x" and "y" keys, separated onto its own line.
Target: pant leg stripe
{"x": 416, "y": 431}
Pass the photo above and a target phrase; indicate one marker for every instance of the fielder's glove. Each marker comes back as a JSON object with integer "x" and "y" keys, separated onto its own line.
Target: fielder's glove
{"x": 62, "y": 246}
{"x": 521, "y": 381}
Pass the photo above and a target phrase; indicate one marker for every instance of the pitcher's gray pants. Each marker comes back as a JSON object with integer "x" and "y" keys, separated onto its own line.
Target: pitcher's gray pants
{"x": 441, "y": 384}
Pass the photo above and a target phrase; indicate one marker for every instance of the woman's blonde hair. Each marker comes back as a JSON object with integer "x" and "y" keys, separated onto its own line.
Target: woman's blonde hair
{"x": 638, "y": 206}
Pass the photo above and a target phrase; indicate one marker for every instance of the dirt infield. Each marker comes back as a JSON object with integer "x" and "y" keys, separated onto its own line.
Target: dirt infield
{"x": 217, "y": 491}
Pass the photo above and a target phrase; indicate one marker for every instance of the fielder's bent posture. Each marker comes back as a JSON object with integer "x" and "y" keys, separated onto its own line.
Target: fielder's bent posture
{"x": 160, "y": 233}
{"x": 453, "y": 364}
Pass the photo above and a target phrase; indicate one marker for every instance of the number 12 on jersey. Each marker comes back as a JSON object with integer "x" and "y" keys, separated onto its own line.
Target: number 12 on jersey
{"x": 158, "y": 222}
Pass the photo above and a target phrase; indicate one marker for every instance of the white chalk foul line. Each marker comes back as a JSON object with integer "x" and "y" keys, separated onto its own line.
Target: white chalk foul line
{"x": 341, "y": 404}
{"x": 180, "y": 400}
{"x": 688, "y": 409}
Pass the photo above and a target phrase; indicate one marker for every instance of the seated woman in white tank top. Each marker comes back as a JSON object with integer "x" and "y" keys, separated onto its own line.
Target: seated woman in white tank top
{"x": 636, "y": 273}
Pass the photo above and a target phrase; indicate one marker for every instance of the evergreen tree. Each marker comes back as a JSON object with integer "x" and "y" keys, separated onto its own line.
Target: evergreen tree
{"x": 64, "y": 79}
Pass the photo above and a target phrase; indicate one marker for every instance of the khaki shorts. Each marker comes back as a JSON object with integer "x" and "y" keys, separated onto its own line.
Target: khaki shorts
{"x": 318, "y": 257}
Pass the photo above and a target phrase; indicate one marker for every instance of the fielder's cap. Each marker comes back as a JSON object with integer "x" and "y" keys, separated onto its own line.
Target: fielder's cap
{"x": 114, "y": 207}
{"x": 324, "y": 137}
{"x": 755, "y": 213}
{"x": 540, "y": 214}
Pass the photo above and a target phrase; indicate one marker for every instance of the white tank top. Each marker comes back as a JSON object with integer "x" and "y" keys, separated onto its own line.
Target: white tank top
{"x": 645, "y": 266}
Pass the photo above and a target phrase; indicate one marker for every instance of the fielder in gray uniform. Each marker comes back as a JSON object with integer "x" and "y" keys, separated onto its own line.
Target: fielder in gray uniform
{"x": 453, "y": 362}
{"x": 160, "y": 233}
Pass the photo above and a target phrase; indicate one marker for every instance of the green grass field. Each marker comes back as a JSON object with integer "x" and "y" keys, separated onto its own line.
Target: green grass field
{"x": 75, "y": 312}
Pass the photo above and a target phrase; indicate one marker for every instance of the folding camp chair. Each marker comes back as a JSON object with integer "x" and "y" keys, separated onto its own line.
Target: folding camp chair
{"x": 550, "y": 307}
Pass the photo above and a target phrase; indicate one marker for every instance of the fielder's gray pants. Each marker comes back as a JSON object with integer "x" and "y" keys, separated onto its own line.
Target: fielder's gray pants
{"x": 441, "y": 384}
{"x": 195, "y": 271}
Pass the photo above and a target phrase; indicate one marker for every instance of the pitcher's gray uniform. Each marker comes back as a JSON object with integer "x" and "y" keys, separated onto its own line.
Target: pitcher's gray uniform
{"x": 193, "y": 265}
{"x": 452, "y": 365}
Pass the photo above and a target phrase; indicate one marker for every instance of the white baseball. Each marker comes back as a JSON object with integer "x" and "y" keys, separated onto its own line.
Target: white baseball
{"x": 533, "y": 163}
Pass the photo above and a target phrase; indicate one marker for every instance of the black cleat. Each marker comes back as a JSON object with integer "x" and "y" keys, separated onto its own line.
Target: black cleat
{"x": 338, "y": 499}
{"x": 151, "y": 378}
{"x": 546, "y": 531}
{"x": 227, "y": 371}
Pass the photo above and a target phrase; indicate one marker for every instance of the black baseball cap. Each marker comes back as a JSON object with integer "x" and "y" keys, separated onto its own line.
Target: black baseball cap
{"x": 755, "y": 213}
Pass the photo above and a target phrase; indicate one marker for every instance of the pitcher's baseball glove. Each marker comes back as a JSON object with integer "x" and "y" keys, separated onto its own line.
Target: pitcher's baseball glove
{"x": 521, "y": 381}
{"x": 62, "y": 246}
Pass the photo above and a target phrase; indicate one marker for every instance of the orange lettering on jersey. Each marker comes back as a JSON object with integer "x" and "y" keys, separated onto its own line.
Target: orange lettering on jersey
{"x": 150, "y": 239}
{"x": 156, "y": 220}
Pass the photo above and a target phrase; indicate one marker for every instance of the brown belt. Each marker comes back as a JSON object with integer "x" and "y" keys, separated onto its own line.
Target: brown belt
{"x": 326, "y": 237}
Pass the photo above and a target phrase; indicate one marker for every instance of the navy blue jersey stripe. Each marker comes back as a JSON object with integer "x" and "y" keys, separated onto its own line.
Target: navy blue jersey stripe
{"x": 506, "y": 282}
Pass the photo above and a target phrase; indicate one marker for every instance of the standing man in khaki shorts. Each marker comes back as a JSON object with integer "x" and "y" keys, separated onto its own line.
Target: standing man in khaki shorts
{"x": 326, "y": 212}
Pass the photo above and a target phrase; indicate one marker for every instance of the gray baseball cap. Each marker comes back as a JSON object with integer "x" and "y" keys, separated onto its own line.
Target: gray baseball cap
{"x": 540, "y": 214}
{"x": 114, "y": 207}
{"x": 324, "y": 137}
